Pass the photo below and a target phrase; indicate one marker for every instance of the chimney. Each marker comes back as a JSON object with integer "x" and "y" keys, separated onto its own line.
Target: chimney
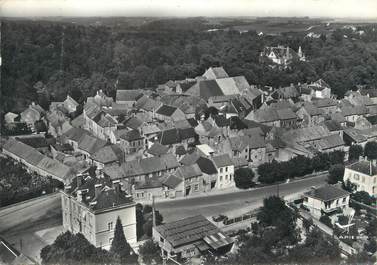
{"x": 117, "y": 186}
{"x": 33, "y": 103}
{"x": 361, "y": 158}
{"x": 67, "y": 188}
{"x": 79, "y": 195}
{"x": 97, "y": 189}
{"x": 79, "y": 180}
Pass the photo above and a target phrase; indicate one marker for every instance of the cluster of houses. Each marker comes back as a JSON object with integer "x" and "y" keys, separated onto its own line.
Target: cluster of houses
{"x": 188, "y": 137}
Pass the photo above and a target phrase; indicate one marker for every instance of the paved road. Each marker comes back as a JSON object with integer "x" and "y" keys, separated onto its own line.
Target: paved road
{"x": 45, "y": 212}
{"x": 34, "y": 215}
{"x": 223, "y": 203}
{"x": 35, "y": 223}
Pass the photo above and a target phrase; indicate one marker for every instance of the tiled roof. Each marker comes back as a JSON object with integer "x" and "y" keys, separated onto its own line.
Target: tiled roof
{"x": 189, "y": 171}
{"x": 158, "y": 149}
{"x": 133, "y": 123}
{"x": 170, "y": 136}
{"x": 365, "y": 167}
{"x": 221, "y": 120}
{"x": 149, "y": 184}
{"x": 91, "y": 110}
{"x": 55, "y": 168}
{"x": 149, "y": 165}
{"x": 172, "y": 181}
{"x": 36, "y": 141}
{"x": 206, "y": 166}
{"x": 372, "y": 119}
{"x": 362, "y": 101}
{"x": 175, "y": 136}
{"x": 305, "y": 134}
{"x": 215, "y": 72}
{"x": 128, "y": 95}
{"x": 325, "y": 102}
{"x": 190, "y": 158}
{"x": 263, "y": 115}
{"x": 166, "y": 110}
{"x": 331, "y": 141}
{"x": 132, "y": 135}
{"x": 70, "y": 100}
{"x": 327, "y": 193}
{"x": 187, "y": 103}
{"x": 109, "y": 154}
{"x": 239, "y": 143}
{"x": 188, "y": 230}
{"x": 150, "y": 129}
{"x": 33, "y": 157}
{"x": 222, "y": 160}
{"x": 205, "y": 89}
{"x": 311, "y": 109}
{"x": 107, "y": 121}
{"x": 90, "y": 144}
{"x": 79, "y": 121}
{"x": 108, "y": 196}
{"x": 338, "y": 116}
{"x": 332, "y": 125}
{"x": 355, "y": 110}
{"x": 147, "y": 103}
{"x": 355, "y": 134}
{"x": 286, "y": 114}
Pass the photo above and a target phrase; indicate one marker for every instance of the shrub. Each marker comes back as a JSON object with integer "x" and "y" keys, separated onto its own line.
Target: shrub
{"x": 326, "y": 220}
{"x": 243, "y": 177}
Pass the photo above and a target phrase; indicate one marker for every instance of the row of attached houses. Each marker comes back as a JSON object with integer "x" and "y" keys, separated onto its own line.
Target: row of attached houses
{"x": 37, "y": 162}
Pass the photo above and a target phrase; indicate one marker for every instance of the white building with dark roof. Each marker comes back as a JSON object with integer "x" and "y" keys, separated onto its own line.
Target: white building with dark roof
{"x": 328, "y": 199}
{"x": 91, "y": 206}
{"x": 364, "y": 175}
{"x": 225, "y": 169}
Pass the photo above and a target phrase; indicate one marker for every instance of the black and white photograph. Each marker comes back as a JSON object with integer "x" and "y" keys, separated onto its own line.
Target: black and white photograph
{"x": 188, "y": 132}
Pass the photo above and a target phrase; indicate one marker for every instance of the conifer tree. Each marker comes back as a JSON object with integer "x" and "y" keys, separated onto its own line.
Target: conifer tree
{"x": 120, "y": 246}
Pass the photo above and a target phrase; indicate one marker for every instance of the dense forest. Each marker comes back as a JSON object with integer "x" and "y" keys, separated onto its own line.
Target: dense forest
{"x": 43, "y": 61}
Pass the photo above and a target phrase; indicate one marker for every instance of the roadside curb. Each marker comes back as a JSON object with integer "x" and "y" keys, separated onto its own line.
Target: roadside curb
{"x": 231, "y": 190}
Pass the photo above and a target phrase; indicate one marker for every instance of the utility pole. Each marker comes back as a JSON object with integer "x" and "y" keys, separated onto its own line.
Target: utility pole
{"x": 153, "y": 212}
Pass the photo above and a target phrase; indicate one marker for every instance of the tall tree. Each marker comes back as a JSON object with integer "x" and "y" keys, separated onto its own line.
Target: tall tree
{"x": 73, "y": 249}
{"x": 370, "y": 150}
{"x": 336, "y": 173}
{"x": 243, "y": 177}
{"x": 355, "y": 152}
{"x": 150, "y": 252}
{"x": 120, "y": 246}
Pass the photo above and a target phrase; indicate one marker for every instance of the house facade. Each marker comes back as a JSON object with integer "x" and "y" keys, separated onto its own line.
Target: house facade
{"x": 91, "y": 206}
{"x": 363, "y": 174}
{"x": 326, "y": 200}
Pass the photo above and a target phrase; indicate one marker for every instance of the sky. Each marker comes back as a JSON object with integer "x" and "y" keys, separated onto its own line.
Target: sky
{"x": 313, "y": 8}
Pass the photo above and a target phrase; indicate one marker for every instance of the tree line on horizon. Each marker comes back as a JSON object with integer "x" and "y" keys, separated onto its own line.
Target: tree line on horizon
{"x": 36, "y": 68}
